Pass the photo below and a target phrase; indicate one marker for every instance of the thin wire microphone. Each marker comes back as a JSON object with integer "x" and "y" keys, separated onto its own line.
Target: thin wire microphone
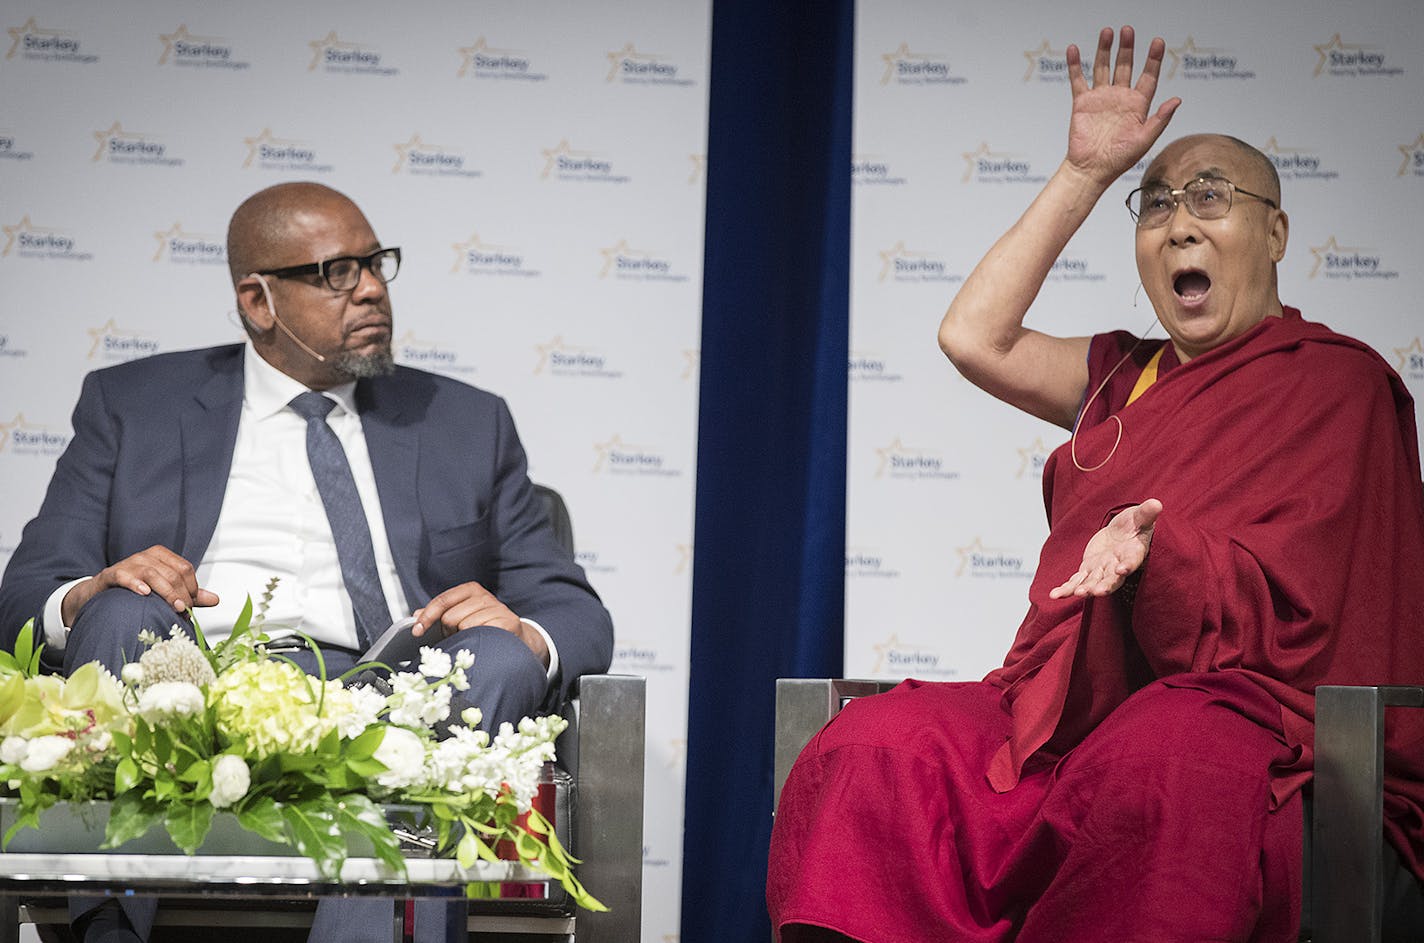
{"x": 272, "y": 307}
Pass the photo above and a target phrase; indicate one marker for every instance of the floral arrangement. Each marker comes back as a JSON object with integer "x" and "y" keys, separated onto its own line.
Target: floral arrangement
{"x": 190, "y": 729}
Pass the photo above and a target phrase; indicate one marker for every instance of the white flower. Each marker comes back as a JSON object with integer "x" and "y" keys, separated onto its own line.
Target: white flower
{"x": 403, "y": 754}
{"x": 168, "y": 699}
{"x": 132, "y": 674}
{"x": 45, "y": 752}
{"x": 434, "y": 663}
{"x": 13, "y": 750}
{"x": 230, "y": 781}
{"x": 353, "y": 709}
{"x": 176, "y": 659}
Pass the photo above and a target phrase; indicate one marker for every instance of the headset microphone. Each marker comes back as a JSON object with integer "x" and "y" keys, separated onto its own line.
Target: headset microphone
{"x": 272, "y": 307}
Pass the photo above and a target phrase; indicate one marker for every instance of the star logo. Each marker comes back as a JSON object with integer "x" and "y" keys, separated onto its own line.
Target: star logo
{"x": 31, "y": 28}
{"x": 896, "y": 449}
{"x": 628, "y": 53}
{"x": 684, "y": 559}
{"x": 330, "y": 41}
{"x": 1334, "y": 45}
{"x": 403, "y": 151}
{"x": 1413, "y": 155}
{"x": 109, "y": 328}
{"x": 1188, "y": 48}
{"x": 699, "y": 168}
{"x": 971, "y": 160}
{"x": 691, "y": 363}
{"x": 1330, "y": 248}
{"x": 174, "y": 232}
{"x": 254, "y": 145}
{"x": 1044, "y": 51}
{"x": 893, "y": 59}
{"x": 1272, "y": 149}
{"x": 612, "y": 254}
{"x": 556, "y": 345}
{"x": 552, "y": 155}
{"x": 1032, "y": 457}
{"x": 468, "y": 54}
{"x": 473, "y": 244}
{"x": 605, "y": 449}
{"x": 180, "y": 35}
{"x": 1411, "y": 357}
{"x": 112, "y": 133}
{"x": 18, "y": 423}
{"x": 882, "y": 652}
{"x": 897, "y": 251}
{"x": 967, "y": 552}
{"x": 12, "y": 233}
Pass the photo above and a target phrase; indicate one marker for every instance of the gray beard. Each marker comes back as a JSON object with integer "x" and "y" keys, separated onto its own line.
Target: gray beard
{"x": 364, "y": 366}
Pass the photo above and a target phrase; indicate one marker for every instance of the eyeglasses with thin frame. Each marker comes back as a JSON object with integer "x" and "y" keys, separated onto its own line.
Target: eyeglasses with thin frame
{"x": 1206, "y": 198}
{"x": 344, "y": 273}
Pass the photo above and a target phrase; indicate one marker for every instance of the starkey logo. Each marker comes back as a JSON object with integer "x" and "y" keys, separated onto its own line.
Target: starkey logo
{"x": 899, "y": 659}
{"x": 978, "y": 561}
{"x": 476, "y": 257}
{"x": 864, "y": 367}
{"x": 11, "y": 148}
{"x": 419, "y": 158}
{"x": 35, "y": 42}
{"x": 868, "y": 563}
{"x": 1192, "y": 62}
{"x": 625, "y": 263}
{"x": 480, "y": 60}
{"x": 266, "y": 151}
{"x": 415, "y": 351}
{"x": 616, "y": 457}
{"x": 874, "y": 170}
{"x": 900, "y": 461}
{"x": 986, "y": 165}
{"x": 1046, "y": 64}
{"x": 1348, "y": 263}
{"x": 900, "y": 263}
{"x": 631, "y": 67}
{"x": 21, "y": 437}
{"x": 904, "y": 66}
{"x": 108, "y": 341}
{"x": 335, "y": 55}
{"x": 25, "y": 240}
{"x": 564, "y": 162}
{"x": 117, "y": 146}
{"x": 1350, "y": 60}
{"x": 185, "y": 248}
{"x": 558, "y": 358}
{"x": 1294, "y": 163}
{"x": 186, "y": 50}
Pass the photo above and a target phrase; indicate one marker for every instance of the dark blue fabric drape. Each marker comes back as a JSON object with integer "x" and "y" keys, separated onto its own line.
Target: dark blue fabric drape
{"x": 769, "y": 554}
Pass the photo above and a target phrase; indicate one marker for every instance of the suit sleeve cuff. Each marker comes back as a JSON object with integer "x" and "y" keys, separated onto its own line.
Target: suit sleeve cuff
{"x": 553, "y": 671}
{"x": 56, "y": 633}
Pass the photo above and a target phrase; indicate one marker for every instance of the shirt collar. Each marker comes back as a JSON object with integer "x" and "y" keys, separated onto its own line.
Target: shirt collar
{"x": 267, "y": 390}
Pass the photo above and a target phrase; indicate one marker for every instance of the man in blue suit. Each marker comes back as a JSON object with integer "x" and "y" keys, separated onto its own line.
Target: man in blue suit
{"x": 187, "y": 485}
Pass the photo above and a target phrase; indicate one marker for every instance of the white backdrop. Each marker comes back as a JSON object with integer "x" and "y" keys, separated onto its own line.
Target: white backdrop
{"x": 542, "y": 166}
{"x": 961, "y": 115}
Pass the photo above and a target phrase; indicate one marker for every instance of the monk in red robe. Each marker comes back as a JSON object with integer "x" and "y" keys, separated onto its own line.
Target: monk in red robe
{"x": 1236, "y": 518}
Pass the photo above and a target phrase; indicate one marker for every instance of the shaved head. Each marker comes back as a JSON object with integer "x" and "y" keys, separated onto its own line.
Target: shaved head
{"x": 260, "y": 235}
{"x": 1265, "y": 179}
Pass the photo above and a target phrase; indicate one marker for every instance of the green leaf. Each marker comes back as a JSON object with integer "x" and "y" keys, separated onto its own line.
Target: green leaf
{"x": 129, "y": 817}
{"x": 188, "y": 824}
{"x": 25, "y": 646}
{"x": 364, "y": 746}
{"x": 313, "y": 830}
{"x": 264, "y": 817}
{"x": 360, "y": 815}
{"x": 126, "y": 776}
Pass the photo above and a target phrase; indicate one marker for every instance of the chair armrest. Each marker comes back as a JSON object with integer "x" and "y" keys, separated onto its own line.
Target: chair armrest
{"x": 606, "y": 756}
{"x": 1347, "y": 837}
{"x": 804, "y": 706}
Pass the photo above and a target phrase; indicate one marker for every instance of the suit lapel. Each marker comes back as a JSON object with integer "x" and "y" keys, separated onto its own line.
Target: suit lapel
{"x": 394, "y": 449}
{"x": 208, "y": 425}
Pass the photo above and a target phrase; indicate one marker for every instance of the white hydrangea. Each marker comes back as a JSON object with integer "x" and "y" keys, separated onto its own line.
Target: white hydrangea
{"x": 231, "y": 779}
{"x": 43, "y": 753}
{"x": 403, "y": 754}
{"x": 169, "y": 699}
{"x": 177, "y": 658}
{"x": 353, "y": 709}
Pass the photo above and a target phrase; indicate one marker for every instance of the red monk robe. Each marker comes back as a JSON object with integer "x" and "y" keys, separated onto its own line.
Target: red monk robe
{"x": 1133, "y": 771}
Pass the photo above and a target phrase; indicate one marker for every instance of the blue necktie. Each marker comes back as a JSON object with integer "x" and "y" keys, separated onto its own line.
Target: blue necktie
{"x": 348, "y": 520}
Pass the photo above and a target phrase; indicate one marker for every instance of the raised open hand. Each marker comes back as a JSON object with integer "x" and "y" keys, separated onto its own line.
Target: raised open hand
{"x": 1112, "y": 125}
{"x": 1114, "y": 552}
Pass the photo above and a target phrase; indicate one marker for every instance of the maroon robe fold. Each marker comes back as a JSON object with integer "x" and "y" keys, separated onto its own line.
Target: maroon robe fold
{"x": 1289, "y": 553}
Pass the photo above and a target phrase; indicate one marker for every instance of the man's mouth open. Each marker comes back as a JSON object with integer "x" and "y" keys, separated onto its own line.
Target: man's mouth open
{"x": 1191, "y": 286}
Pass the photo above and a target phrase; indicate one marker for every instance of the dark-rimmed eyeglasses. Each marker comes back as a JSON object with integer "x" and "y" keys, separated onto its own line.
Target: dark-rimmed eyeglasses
{"x": 1206, "y": 198}
{"x": 344, "y": 273}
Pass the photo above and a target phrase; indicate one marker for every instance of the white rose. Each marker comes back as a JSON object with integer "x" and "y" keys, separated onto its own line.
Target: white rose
{"x": 403, "y": 754}
{"x": 167, "y": 699}
{"x": 13, "y": 750}
{"x": 45, "y": 752}
{"x": 230, "y": 781}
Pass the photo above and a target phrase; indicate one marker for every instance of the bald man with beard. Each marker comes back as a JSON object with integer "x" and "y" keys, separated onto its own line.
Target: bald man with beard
{"x": 187, "y": 487}
{"x": 1235, "y": 519}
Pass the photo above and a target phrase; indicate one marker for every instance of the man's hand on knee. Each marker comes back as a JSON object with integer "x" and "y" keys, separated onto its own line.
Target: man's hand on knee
{"x": 156, "y": 570}
{"x": 469, "y": 605}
